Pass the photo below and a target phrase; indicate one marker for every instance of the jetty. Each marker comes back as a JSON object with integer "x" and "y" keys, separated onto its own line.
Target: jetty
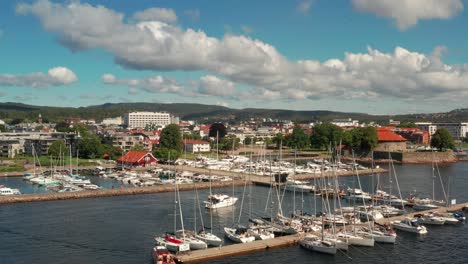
{"x": 238, "y": 249}
{"x": 23, "y": 198}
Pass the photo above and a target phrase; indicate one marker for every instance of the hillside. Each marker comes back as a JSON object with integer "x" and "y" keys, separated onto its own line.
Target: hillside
{"x": 9, "y": 111}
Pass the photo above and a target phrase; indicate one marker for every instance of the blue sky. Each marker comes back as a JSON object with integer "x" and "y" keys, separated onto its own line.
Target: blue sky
{"x": 372, "y": 56}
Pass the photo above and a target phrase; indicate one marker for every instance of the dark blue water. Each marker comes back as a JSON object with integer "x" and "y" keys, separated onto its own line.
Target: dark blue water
{"x": 121, "y": 229}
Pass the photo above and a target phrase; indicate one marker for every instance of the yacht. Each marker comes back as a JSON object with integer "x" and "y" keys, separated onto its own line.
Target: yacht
{"x": 313, "y": 243}
{"x": 365, "y": 240}
{"x": 429, "y": 219}
{"x": 4, "y": 191}
{"x": 238, "y": 235}
{"x": 358, "y": 195}
{"x": 219, "y": 201}
{"x": 172, "y": 243}
{"x": 209, "y": 238}
{"x": 298, "y": 186}
{"x": 410, "y": 225}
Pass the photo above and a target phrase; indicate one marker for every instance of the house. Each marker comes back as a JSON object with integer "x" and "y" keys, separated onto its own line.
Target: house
{"x": 389, "y": 140}
{"x": 195, "y": 145}
{"x": 137, "y": 159}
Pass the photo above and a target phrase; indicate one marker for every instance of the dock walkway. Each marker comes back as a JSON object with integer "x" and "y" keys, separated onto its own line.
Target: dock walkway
{"x": 238, "y": 249}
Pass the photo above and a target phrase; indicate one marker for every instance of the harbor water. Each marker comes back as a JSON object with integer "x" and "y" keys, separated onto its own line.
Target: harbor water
{"x": 121, "y": 229}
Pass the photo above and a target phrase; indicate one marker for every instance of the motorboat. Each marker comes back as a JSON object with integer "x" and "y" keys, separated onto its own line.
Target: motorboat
{"x": 410, "y": 225}
{"x": 4, "y": 191}
{"x": 358, "y": 195}
{"x": 161, "y": 255}
{"x": 298, "y": 186}
{"x": 219, "y": 201}
{"x": 429, "y": 219}
{"x": 238, "y": 235}
{"x": 313, "y": 243}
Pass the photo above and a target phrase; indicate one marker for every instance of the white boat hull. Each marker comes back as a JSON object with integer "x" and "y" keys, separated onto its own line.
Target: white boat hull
{"x": 231, "y": 234}
{"x": 318, "y": 246}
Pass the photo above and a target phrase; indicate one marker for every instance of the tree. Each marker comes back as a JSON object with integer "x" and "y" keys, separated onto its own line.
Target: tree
{"x": 407, "y": 125}
{"x": 62, "y": 126}
{"x": 324, "y": 134}
{"x": 171, "y": 138}
{"x": 16, "y": 121}
{"x": 166, "y": 154}
{"x": 138, "y": 147}
{"x": 298, "y": 139}
{"x": 278, "y": 139}
{"x": 90, "y": 147}
{"x": 110, "y": 151}
{"x": 442, "y": 139}
{"x": 228, "y": 143}
{"x": 192, "y": 136}
{"x": 217, "y": 129}
{"x": 364, "y": 138}
{"x": 3, "y": 128}
{"x": 248, "y": 141}
{"x": 58, "y": 148}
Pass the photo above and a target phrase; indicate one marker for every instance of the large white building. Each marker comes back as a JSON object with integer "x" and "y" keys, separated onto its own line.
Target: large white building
{"x": 142, "y": 119}
{"x": 457, "y": 130}
{"x": 347, "y": 122}
{"x": 194, "y": 145}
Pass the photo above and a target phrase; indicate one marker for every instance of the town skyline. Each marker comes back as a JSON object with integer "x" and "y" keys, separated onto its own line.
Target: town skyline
{"x": 352, "y": 56}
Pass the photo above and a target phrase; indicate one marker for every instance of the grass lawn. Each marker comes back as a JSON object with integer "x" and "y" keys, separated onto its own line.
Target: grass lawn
{"x": 11, "y": 168}
{"x": 47, "y": 161}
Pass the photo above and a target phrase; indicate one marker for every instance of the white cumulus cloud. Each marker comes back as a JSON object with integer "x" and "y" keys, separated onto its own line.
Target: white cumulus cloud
{"x": 154, "y": 84}
{"x": 54, "y": 77}
{"x": 156, "y": 14}
{"x": 256, "y": 65}
{"x": 212, "y": 85}
{"x": 407, "y": 13}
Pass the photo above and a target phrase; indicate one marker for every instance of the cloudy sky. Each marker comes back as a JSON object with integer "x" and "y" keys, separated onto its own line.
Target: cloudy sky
{"x": 372, "y": 56}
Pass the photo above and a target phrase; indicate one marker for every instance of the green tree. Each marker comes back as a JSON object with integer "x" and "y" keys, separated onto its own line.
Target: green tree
{"x": 58, "y": 148}
{"x": 278, "y": 139}
{"x": 217, "y": 129}
{"x": 192, "y": 136}
{"x": 90, "y": 147}
{"x": 3, "y": 128}
{"x": 112, "y": 152}
{"x": 138, "y": 147}
{"x": 364, "y": 138}
{"x": 248, "y": 141}
{"x": 62, "y": 126}
{"x": 407, "y": 125}
{"x": 442, "y": 139}
{"x": 324, "y": 134}
{"x": 227, "y": 143}
{"x": 298, "y": 139}
{"x": 171, "y": 138}
{"x": 166, "y": 154}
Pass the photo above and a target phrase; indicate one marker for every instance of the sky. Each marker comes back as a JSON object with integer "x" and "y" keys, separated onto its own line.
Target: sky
{"x": 368, "y": 56}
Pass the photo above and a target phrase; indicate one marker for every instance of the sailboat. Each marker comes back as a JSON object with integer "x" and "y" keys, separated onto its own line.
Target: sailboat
{"x": 209, "y": 238}
{"x": 170, "y": 241}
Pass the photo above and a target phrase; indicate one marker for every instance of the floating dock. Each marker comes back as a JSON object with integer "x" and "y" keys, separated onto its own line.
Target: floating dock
{"x": 238, "y": 249}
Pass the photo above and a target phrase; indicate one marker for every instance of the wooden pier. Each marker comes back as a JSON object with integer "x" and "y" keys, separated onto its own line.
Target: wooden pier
{"x": 238, "y": 249}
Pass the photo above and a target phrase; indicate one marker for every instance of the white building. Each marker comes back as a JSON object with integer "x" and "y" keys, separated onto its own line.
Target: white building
{"x": 195, "y": 145}
{"x": 347, "y": 122}
{"x": 112, "y": 121}
{"x": 457, "y": 130}
{"x": 142, "y": 119}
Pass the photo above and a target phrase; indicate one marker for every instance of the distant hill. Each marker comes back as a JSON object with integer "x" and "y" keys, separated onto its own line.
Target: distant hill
{"x": 9, "y": 111}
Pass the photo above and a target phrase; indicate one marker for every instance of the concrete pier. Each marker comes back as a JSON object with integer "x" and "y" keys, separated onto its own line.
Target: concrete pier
{"x": 111, "y": 192}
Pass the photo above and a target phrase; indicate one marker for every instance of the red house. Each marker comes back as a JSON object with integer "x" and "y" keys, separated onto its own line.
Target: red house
{"x": 137, "y": 159}
{"x": 389, "y": 141}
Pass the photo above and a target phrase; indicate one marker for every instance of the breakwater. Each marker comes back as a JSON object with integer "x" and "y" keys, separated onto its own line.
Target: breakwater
{"x": 111, "y": 192}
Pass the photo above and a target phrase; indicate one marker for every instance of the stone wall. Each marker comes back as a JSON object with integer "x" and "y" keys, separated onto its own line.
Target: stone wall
{"x": 416, "y": 157}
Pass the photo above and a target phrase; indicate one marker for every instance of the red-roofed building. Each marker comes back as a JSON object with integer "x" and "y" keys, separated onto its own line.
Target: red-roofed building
{"x": 389, "y": 140}
{"x": 196, "y": 145}
{"x": 137, "y": 159}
